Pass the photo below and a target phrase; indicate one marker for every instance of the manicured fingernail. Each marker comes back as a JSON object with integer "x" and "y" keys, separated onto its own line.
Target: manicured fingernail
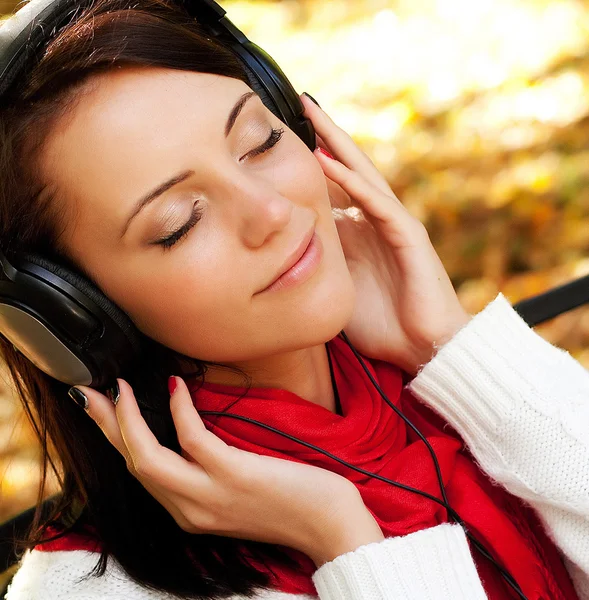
{"x": 324, "y": 151}
{"x": 172, "y": 383}
{"x": 78, "y": 397}
{"x": 114, "y": 393}
{"x": 312, "y": 99}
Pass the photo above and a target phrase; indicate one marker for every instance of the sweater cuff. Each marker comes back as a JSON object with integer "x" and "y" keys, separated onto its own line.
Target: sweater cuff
{"x": 494, "y": 364}
{"x": 503, "y": 387}
{"x": 461, "y": 381}
{"x": 433, "y": 563}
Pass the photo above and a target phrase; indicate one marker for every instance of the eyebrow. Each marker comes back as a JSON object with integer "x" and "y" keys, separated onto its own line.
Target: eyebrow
{"x": 166, "y": 185}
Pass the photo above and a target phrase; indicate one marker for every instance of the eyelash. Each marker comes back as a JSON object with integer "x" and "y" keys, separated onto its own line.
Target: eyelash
{"x": 168, "y": 242}
{"x": 275, "y": 137}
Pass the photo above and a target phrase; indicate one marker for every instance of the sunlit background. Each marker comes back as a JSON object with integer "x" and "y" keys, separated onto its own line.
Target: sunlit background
{"x": 476, "y": 111}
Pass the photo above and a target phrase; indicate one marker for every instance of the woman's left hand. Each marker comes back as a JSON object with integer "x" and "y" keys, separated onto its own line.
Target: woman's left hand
{"x": 406, "y": 304}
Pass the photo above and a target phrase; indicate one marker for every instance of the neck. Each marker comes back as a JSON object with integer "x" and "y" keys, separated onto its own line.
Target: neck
{"x": 303, "y": 372}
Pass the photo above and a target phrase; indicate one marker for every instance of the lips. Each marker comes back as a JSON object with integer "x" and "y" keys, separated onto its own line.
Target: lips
{"x": 295, "y": 256}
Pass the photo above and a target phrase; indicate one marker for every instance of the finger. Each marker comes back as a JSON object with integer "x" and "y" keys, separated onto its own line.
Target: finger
{"x": 342, "y": 146}
{"x": 195, "y": 439}
{"x": 377, "y": 205}
{"x": 103, "y": 413}
{"x": 338, "y": 197}
{"x": 159, "y": 478}
{"x": 320, "y": 142}
{"x": 148, "y": 459}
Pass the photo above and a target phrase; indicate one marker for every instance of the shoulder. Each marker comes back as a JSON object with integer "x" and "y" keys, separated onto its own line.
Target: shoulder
{"x": 65, "y": 575}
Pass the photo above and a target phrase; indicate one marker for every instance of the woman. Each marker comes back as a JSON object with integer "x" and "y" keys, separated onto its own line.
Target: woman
{"x": 129, "y": 102}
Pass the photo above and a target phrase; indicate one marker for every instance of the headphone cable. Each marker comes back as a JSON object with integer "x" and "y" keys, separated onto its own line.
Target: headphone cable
{"x": 504, "y": 572}
{"x": 443, "y": 502}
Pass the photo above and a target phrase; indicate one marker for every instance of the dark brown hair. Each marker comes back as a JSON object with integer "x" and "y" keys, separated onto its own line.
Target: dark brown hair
{"x": 98, "y": 494}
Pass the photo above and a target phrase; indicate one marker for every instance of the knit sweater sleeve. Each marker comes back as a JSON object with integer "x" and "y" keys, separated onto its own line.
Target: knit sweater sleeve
{"x": 521, "y": 404}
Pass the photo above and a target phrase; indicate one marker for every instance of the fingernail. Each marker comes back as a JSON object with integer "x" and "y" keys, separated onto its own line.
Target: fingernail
{"x": 172, "y": 383}
{"x": 324, "y": 151}
{"x": 78, "y": 397}
{"x": 312, "y": 99}
{"x": 114, "y": 393}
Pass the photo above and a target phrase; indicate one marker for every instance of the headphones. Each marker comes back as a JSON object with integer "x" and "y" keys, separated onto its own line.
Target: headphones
{"x": 53, "y": 315}
{"x": 60, "y": 320}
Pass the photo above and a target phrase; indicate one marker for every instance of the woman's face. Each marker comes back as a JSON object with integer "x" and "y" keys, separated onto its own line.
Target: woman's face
{"x": 137, "y": 128}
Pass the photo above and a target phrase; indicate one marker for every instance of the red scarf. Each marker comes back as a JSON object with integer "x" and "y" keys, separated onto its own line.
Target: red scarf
{"x": 371, "y": 435}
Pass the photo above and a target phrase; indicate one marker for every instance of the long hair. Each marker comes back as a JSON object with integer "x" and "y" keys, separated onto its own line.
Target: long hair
{"x": 98, "y": 495}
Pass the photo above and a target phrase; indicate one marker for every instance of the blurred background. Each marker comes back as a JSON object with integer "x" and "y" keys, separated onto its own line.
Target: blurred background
{"x": 477, "y": 111}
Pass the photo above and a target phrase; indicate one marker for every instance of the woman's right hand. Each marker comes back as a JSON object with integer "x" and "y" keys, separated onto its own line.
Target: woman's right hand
{"x": 216, "y": 488}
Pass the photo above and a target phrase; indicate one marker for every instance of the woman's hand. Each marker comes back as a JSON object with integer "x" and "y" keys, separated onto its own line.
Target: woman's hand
{"x": 216, "y": 488}
{"x": 406, "y": 305}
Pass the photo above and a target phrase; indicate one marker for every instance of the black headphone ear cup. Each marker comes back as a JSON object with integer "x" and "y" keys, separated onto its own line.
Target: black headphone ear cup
{"x": 121, "y": 319}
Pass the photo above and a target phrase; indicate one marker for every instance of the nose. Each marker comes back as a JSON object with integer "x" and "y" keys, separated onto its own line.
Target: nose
{"x": 257, "y": 209}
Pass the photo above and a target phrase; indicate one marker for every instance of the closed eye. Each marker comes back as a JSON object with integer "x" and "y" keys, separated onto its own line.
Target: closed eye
{"x": 169, "y": 241}
{"x": 275, "y": 137}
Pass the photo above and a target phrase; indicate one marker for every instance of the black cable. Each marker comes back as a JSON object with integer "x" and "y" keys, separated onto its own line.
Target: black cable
{"x": 443, "y": 502}
{"x": 504, "y": 572}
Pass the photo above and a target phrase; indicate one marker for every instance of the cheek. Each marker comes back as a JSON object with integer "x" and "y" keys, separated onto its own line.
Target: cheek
{"x": 183, "y": 299}
{"x": 194, "y": 317}
{"x": 298, "y": 174}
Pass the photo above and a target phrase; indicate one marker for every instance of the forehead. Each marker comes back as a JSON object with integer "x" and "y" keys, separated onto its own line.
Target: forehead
{"x": 145, "y": 104}
{"x": 131, "y": 128}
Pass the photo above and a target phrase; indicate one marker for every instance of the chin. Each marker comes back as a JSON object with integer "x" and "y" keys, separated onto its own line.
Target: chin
{"x": 329, "y": 305}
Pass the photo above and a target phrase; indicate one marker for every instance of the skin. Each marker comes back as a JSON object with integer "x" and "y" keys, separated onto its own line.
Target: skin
{"x": 133, "y": 129}
{"x": 136, "y": 127}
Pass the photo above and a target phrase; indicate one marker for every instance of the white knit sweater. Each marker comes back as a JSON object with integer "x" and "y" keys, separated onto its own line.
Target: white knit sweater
{"x": 522, "y": 407}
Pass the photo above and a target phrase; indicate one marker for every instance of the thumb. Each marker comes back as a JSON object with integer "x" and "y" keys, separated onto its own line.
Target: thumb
{"x": 196, "y": 441}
